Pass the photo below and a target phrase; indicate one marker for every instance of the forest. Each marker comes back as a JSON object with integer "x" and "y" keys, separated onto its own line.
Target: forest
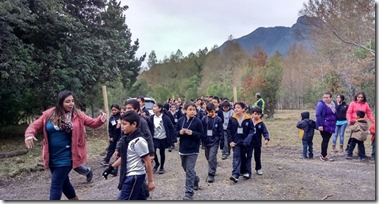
{"x": 50, "y": 45}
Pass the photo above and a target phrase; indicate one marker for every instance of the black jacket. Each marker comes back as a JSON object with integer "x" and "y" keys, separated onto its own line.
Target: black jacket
{"x": 307, "y": 125}
{"x": 341, "y": 111}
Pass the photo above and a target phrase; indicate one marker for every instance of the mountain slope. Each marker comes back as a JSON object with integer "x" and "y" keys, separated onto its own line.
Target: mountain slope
{"x": 279, "y": 38}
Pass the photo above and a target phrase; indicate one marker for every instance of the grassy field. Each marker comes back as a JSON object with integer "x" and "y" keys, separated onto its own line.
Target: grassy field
{"x": 282, "y": 129}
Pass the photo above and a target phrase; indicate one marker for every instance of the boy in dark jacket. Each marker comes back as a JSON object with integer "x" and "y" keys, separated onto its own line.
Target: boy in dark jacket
{"x": 239, "y": 128}
{"x": 114, "y": 130}
{"x": 359, "y": 134}
{"x": 214, "y": 133}
{"x": 189, "y": 130}
{"x": 255, "y": 143}
{"x": 308, "y": 126}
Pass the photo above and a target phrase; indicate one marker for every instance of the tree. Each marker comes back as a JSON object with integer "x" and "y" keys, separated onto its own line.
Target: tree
{"x": 152, "y": 59}
{"x": 266, "y": 79}
{"x": 55, "y": 45}
{"x": 344, "y": 34}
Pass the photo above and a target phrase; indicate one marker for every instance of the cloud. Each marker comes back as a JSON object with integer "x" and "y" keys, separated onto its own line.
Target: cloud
{"x": 167, "y": 25}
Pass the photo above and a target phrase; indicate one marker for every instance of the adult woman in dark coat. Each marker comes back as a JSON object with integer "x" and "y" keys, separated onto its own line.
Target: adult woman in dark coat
{"x": 326, "y": 122}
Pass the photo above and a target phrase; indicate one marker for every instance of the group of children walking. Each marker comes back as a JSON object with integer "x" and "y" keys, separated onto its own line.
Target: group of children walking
{"x": 220, "y": 126}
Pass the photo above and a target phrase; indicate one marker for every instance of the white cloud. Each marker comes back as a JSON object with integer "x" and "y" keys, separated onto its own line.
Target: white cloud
{"x": 168, "y": 25}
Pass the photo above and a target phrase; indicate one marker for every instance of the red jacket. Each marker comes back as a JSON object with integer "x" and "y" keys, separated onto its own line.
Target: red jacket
{"x": 351, "y": 114}
{"x": 372, "y": 131}
{"x": 78, "y": 139}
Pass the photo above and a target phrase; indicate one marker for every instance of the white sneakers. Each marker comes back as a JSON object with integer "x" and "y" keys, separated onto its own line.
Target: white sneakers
{"x": 259, "y": 172}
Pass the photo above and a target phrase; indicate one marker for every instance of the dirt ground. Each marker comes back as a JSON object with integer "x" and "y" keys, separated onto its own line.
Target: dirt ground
{"x": 286, "y": 177}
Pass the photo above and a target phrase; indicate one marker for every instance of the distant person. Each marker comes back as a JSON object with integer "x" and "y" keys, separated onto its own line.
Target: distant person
{"x": 254, "y": 144}
{"x": 163, "y": 131}
{"x": 227, "y": 113}
{"x": 64, "y": 146}
{"x": 114, "y": 133}
{"x": 260, "y": 103}
{"x": 308, "y": 127}
{"x": 341, "y": 122}
{"x": 189, "y": 130}
{"x": 373, "y": 146}
{"x": 143, "y": 111}
{"x": 359, "y": 103}
{"x": 326, "y": 122}
{"x": 359, "y": 135}
{"x": 134, "y": 161}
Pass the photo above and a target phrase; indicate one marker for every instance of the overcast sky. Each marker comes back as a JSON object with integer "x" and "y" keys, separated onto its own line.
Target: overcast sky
{"x": 189, "y": 25}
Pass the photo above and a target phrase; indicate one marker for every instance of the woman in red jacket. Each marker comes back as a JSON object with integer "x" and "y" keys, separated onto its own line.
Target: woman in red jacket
{"x": 359, "y": 103}
{"x": 64, "y": 141}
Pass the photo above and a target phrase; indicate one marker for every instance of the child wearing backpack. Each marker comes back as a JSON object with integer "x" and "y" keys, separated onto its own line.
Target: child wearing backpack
{"x": 308, "y": 126}
{"x": 358, "y": 136}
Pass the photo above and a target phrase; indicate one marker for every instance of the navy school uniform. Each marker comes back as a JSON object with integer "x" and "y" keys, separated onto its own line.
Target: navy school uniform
{"x": 213, "y": 134}
{"x": 255, "y": 144}
{"x": 189, "y": 146}
{"x": 237, "y": 133}
{"x": 169, "y": 129}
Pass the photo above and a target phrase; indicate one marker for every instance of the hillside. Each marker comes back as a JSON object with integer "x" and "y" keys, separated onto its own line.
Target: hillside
{"x": 279, "y": 38}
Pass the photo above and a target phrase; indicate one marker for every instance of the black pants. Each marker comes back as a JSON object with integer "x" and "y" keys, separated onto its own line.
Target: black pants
{"x": 361, "y": 148}
{"x": 325, "y": 141}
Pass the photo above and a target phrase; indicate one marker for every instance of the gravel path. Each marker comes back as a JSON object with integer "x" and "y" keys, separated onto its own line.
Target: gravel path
{"x": 286, "y": 177}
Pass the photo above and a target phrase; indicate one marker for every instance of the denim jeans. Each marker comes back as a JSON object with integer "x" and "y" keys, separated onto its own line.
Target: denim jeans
{"x": 211, "y": 156}
{"x": 133, "y": 188}
{"x": 340, "y": 130}
{"x": 307, "y": 147}
{"x": 82, "y": 170}
{"x": 60, "y": 182}
{"x": 188, "y": 164}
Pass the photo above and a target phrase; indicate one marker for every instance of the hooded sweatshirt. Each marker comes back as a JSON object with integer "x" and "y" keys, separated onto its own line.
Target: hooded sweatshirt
{"x": 307, "y": 125}
{"x": 360, "y": 130}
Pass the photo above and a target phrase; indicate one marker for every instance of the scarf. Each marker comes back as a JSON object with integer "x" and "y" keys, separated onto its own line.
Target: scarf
{"x": 64, "y": 123}
{"x": 332, "y": 106}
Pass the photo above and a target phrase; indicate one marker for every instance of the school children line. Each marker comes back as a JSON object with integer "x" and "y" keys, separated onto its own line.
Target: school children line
{"x": 207, "y": 123}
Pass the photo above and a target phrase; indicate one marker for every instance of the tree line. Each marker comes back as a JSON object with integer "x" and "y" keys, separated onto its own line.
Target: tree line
{"x": 50, "y": 45}
{"x": 342, "y": 61}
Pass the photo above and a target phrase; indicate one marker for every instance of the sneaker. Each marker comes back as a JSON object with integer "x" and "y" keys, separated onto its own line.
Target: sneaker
{"x": 246, "y": 175}
{"x": 187, "y": 197}
{"x": 259, "y": 172}
{"x": 210, "y": 179}
{"x": 161, "y": 171}
{"x": 104, "y": 163}
{"x": 196, "y": 186}
{"x": 155, "y": 168}
{"x": 233, "y": 178}
{"x": 323, "y": 158}
{"x": 348, "y": 157}
{"x": 89, "y": 175}
{"x": 362, "y": 158}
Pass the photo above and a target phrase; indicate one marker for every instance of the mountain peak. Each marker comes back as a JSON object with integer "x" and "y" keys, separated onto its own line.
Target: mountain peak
{"x": 276, "y": 39}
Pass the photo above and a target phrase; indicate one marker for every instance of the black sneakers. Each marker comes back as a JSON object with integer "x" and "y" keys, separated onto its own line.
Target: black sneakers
{"x": 89, "y": 175}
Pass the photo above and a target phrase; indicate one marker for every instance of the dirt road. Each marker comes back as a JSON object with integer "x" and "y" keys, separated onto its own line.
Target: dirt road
{"x": 286, "y": 177}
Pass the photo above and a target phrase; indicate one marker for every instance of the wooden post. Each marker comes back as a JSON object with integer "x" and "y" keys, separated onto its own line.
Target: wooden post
{"x": 106, "y": 109}
{"x": 235, "y": 94}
